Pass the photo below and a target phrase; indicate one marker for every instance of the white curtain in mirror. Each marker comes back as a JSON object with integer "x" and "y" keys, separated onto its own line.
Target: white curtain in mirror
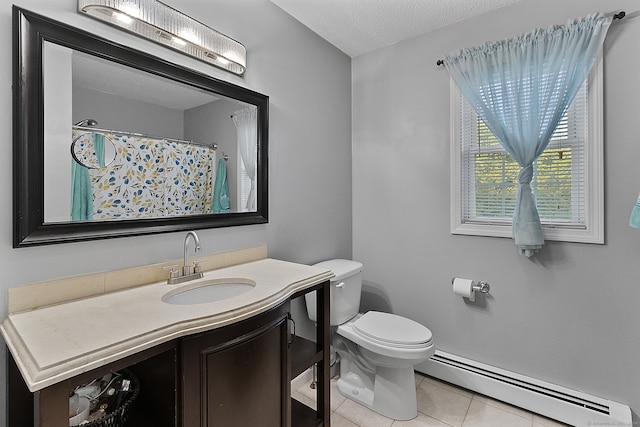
{"x": 246, "y": 121}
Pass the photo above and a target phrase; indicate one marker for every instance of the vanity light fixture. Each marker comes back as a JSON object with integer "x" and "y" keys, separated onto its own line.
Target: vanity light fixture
{"x": 156, "y": 21}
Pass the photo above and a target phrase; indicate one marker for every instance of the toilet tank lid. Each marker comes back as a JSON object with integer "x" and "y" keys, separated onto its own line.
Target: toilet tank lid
{"x": 342, "y": 268}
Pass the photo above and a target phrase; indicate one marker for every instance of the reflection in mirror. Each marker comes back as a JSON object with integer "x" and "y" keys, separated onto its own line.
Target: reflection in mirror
{"x": 91, "y": 149}
{"x": 164, "y": 135}
{"x": 114, "y": 142}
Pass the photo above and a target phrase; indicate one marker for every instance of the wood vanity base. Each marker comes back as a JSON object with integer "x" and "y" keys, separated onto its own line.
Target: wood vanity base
{"x": 231, "y": 376}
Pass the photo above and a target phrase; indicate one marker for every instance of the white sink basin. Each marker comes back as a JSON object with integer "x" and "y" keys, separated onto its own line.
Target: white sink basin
{"x": 208, "y": 291}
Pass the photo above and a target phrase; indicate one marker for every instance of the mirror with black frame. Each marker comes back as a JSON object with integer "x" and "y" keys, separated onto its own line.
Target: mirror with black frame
{"x": 112, "y": 142}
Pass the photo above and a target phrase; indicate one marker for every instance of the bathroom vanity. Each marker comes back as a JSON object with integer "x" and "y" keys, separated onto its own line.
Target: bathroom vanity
{"x": 220, "y": 363}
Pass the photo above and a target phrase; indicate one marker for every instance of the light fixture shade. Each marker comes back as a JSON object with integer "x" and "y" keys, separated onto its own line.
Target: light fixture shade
{"x": 163, "y": 24}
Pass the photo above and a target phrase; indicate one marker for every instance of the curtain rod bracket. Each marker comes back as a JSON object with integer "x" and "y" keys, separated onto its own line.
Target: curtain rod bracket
{"x": 619, "y": 15}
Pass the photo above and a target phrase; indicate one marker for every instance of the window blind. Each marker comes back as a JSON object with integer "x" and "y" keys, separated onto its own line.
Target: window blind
{"x": 489, "y": 175}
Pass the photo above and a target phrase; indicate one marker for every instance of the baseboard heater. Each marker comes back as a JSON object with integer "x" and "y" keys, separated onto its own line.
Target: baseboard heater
{"x": 550, "y": 400}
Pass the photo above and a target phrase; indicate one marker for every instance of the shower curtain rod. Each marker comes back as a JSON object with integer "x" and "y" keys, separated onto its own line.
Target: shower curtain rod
{"x": 249, "y": 108}
{"x": 143, "y": 135}
{"x": 618, "y": 15}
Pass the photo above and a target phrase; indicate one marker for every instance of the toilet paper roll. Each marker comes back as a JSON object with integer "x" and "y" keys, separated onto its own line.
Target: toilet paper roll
{"x": 463, "y": 287}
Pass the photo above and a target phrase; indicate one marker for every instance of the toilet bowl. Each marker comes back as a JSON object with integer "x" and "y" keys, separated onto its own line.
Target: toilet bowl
{"x": 377, "y": 350}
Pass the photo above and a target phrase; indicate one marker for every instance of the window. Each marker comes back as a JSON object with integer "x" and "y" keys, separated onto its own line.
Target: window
{"x": 567, "y": 181}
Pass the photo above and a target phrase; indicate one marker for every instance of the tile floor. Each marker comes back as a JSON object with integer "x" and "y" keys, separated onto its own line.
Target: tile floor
{"x": 439, "y": 405}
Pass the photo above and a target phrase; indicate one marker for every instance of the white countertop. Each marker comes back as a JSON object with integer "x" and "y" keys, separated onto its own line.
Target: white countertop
{"x": 61, "y": 341}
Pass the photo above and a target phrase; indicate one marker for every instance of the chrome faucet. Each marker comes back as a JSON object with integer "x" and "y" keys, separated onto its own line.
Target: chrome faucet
{"x": 187, "y": 274}
{"x": 186, "y": 268}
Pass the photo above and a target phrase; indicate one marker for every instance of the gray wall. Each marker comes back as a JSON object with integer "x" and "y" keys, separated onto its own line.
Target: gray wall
{"x": 568, "y": 315}
{"x": 119, "y": 113}
{"x": 211, "y": 123}
{"x": 308, "y": 82}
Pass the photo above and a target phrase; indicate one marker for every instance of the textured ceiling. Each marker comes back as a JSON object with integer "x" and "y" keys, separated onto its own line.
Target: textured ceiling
{"x": 360, "y": 26}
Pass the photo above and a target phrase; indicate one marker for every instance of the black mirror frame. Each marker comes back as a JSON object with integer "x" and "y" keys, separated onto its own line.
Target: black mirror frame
{"x": 30, "y": 30}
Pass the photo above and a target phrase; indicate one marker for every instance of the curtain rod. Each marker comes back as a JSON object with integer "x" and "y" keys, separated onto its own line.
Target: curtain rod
{"x": 618, "y": 15}
{"x": 143, "y": 135}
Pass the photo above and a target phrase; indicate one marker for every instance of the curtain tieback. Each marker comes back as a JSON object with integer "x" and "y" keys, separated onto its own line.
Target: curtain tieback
{"x": 526, "y": 175}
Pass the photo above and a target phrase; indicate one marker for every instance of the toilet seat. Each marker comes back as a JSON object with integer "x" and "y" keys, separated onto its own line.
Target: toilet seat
{"x": 391, "y": 330}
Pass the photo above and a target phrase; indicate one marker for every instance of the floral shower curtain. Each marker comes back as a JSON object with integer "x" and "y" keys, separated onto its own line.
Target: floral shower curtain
{"x": 188, "y": 174}
{"x": 153, "y": 178}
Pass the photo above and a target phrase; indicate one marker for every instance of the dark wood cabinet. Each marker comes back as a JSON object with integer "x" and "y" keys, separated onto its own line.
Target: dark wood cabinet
{"x": 241, "y": 375}
{"x": 306, "y": 353}
{"x": 237, "y": 375}
{"x": 49, "y": 407}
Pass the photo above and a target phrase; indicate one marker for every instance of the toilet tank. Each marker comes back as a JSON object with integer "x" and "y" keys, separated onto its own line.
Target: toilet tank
{"x": 344, "y": 291}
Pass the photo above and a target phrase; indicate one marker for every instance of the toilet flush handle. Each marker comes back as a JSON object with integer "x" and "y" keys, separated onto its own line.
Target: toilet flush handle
{"x": 340, "y": 285}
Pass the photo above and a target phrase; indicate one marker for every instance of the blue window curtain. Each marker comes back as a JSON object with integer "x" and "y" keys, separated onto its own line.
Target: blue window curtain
{"x": 521, "y": 88}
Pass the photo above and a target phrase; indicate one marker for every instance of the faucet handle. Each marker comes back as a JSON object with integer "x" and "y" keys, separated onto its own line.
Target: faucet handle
{"x": 173, "y": 270}
{"x": 196, "y": 265}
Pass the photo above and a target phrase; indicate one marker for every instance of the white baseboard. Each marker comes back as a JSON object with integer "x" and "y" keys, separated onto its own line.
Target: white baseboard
{"x": 551, "y": 400}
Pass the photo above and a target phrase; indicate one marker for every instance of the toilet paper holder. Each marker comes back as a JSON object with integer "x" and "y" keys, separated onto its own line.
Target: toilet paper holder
{"x": 480, "y": 286}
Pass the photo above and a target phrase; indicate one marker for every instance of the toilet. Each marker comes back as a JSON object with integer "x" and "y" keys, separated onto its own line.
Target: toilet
{"x": 377, "y": 351}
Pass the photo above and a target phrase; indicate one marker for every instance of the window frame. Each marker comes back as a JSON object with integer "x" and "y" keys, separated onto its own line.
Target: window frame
{"x": 593, "y": 232}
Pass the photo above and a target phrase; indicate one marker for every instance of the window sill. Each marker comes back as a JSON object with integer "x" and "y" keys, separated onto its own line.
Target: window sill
{"x": 593, "y": 235}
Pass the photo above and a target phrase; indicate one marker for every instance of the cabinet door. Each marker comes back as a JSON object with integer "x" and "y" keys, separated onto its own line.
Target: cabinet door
{"x": 237, "y": 375}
